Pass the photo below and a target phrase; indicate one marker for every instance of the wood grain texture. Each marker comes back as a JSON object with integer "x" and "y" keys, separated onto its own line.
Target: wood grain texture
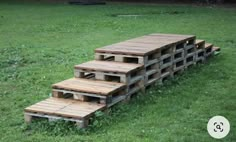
{"x": 105, "y": 66}
{"x": 145, "y": 45}
{"x": 89, "y": 86}
{"x": 65, "y": 108}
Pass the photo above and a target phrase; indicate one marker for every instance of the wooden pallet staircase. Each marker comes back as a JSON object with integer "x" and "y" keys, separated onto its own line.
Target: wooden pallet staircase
{"x": 119, "y": 71}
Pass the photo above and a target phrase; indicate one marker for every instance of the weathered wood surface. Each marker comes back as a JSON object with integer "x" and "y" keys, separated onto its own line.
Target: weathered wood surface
{"x": 89, "y": 86}
{"x": 145, "y": 45}
{"x": 105, "y": 66}
{"x": 65, "y": 107}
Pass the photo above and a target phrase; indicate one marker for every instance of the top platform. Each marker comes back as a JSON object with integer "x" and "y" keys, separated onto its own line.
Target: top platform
{"x": 145, "y": 45}
{"x": 104, "y": 66}
{"x": 89, "y": 86}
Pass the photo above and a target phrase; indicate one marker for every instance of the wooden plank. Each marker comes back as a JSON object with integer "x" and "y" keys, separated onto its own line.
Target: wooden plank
{"x": 105, "y": 66}
{"x": 89, "y": 86}
{"x": 39, "y": 110}
{"x": 161, "y": 42}
{"x": 80, "y": 109}
{"x": 176, "y": 36}
{"x": 147, "y": 46}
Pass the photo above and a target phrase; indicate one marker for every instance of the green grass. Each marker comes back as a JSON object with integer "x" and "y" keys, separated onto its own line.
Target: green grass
{"x": 40, "y": 43}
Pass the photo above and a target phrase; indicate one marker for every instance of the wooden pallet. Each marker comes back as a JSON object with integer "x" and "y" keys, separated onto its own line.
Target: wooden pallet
{"x": 200, "y": 44}
{"x": 143, "y": 47}
{"x": 208, "y": 49}
{"x": 134, "y": 53}
{"x": 200, "y": 51}
{"x": 200, "y": 56}
{"x": 64, "y": 109}
{"x": 110, "y": 71}
{"x": 129, "y": 74}
{"x": 102, "y": 92}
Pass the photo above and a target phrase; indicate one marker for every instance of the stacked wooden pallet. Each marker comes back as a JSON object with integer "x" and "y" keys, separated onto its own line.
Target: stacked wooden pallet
{"x": 119, "y": 71}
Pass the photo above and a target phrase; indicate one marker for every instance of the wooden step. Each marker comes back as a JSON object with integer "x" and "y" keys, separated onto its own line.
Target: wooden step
{"x": 216, "y": 50}
{"x": 200, "y": 51}
{"x": 110, "y": 71}
{"x": 200, "y": 56}
{"x": 89, "y": 86}
{"x": 126, "y": 73}
{"x": 89, "y": 90}
{"x": 69, "y": 110}
{"x": 105, "y": 66}
{"x": 146, "y": 44}
{"x": 136, "y": 59}
{"x": 200, "y": 44}
{"x": 208, "y": 49}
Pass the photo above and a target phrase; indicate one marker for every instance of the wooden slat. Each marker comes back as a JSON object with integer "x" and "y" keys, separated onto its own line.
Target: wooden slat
{"x": 104, "y": 66}
{"x": 77, "y": 115}
{"x": 143, "y": 45}
{"x": 80, "y": 109}
{"x": 157, "y": 40}
{"x": 177, "y": 36}
{"x": 89, "y": 86}
{"x": 59, "y": 101}
{"x": 39, "y": 110}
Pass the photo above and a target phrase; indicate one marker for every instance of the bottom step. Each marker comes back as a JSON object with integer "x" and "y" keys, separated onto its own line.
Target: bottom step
{"x": 216, "y": 50}
{"x": 64, "y": 109}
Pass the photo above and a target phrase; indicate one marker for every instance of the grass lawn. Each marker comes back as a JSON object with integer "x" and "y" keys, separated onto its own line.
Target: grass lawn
{"x": 40, "y": 44}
